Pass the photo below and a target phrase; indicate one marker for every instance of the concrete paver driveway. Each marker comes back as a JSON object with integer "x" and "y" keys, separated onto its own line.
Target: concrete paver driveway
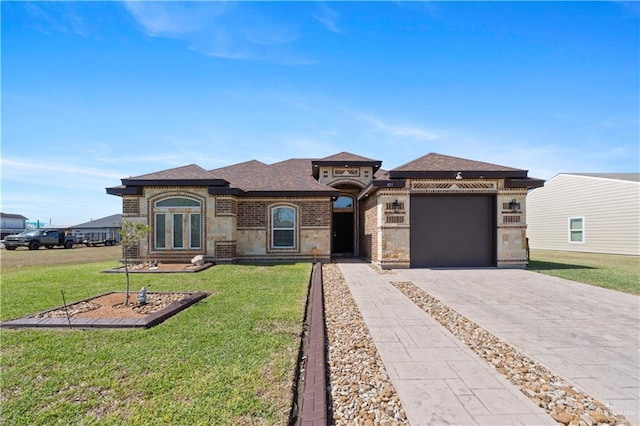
{"x": 588, "y": 335}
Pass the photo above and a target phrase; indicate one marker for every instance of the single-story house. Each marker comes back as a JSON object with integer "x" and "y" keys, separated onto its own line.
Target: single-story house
{"x": 586, "y": 212}
{"x": 105, "y": 228}
{"x": 434, "y": 211}
{"x": 12, "y": 224}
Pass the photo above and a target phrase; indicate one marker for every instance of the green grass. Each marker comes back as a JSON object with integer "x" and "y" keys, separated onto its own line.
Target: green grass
{"x": 620, "y": 273}
{"x": 229, "y": 359}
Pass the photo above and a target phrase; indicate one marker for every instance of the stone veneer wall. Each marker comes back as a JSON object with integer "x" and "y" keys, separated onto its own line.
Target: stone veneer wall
{"x": 512, "y": 228}
{"x": 369, "y": 229}
{"x": 393, "y": 229}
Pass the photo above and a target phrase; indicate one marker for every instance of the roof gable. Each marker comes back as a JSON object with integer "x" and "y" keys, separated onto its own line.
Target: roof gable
{"x": 435, "y": 165}
{"x": 191, "y": 171}
{"x": 348, "y": 157}
{"x": 344, "y": 159}
{"x": 242, "y": 174}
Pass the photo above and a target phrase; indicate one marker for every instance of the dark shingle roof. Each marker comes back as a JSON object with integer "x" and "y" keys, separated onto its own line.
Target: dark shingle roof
{"x": 442, "y": 163}
{"x": 113, "y": 221}
{"x": 192, "y": 171}
{"x": 444, "y": 166}
{"x": 287, "y": 176}
{"x": 242, "y": 175}
{"x": 348, "y": 157}
{"x": 13, "y": 216}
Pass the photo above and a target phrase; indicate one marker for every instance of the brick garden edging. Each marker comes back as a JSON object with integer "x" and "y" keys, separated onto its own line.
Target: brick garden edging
{"x": 32, "y": 321}
{"x": 313, "y": 411}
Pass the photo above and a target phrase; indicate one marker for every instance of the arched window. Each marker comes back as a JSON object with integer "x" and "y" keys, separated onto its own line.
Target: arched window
{"x": 343, "y": 202}
{"x": 177, "y": 224}
{"x": 283, "y": 227}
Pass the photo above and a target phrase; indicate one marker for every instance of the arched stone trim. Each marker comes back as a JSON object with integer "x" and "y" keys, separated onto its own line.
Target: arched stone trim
{"x": 279, "y": 230}
{"x": 353, "y": 182}
{"x": 162, "y": 219}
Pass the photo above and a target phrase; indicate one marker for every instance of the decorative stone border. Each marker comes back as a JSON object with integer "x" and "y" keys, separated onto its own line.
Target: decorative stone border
{"x": 120, "y": 270}
{"x": 81, "y": 323}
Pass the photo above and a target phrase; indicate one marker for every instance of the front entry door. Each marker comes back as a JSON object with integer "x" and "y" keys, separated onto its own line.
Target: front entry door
{"x": 342, "y": 241}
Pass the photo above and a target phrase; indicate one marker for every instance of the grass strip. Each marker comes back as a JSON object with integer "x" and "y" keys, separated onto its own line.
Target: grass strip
{"x": 228, "y": 359}
{"x": 615, "y": 272}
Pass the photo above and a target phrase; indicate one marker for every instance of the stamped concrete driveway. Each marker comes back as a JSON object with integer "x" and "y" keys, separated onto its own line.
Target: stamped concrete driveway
{"x": 588, "y": 335}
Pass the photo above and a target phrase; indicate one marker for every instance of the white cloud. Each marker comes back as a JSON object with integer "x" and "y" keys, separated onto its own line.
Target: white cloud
{"x": 220, "y": 29}
{"x": 175, "y": 18}
{"x": 17, "y": 167}
{"x": 328, "y": 18}
{"x": 397, "y": 131}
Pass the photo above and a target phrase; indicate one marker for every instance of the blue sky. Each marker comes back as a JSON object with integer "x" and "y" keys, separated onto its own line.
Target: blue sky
{"x": 93, "y": 92}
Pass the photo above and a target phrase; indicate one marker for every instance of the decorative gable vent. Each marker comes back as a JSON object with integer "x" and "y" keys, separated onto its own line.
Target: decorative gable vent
{"x": 454, "y": 186}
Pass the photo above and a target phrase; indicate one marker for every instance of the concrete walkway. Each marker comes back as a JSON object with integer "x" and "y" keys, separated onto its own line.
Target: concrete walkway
{"x": 587, "y": 335}
{"x": 439, "y": 380}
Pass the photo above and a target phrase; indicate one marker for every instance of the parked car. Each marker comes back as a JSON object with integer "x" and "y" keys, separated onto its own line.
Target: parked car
{"x": 33, "y": 239}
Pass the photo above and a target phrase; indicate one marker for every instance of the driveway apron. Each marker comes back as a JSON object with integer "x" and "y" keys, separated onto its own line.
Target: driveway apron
{"x": 438, "y": 379}
{"x": 588, "y": 335}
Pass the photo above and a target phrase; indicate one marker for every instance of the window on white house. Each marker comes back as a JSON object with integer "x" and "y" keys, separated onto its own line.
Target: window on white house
{"x": 177, "y": 223}
{"x": 283, "y": 227}
{"x": 576, "y": 230}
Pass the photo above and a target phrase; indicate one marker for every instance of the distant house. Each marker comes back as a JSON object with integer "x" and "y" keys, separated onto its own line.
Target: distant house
{"x": 12, "y": 224}
{"x": 436, "y": 210}
{"x": 590, "y": 212}
{"x": 106, "y": 228}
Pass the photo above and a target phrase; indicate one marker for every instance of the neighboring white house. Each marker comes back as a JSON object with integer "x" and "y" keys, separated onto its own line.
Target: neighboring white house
{"x": 586, "y": 212}
{"x": 12, "y": 224}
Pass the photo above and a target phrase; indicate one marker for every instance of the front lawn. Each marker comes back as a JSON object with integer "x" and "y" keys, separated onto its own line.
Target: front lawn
{"x": 620, "y": 273}
{"x": 229, "y": 359}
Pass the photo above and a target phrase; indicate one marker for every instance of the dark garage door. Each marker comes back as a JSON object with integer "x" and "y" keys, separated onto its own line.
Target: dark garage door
{"x": 452, "y": 231}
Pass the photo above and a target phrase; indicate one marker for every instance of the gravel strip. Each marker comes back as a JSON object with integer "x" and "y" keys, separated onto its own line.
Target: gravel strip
{"x": 361, "y": 391}
{"x": 564, "y": 403}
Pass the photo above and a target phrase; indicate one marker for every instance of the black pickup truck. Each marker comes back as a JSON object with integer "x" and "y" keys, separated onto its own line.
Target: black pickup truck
{"x": 39, "y": 237}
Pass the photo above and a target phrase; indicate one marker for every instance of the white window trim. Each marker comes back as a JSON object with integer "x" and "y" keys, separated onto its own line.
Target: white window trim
{"x": 170, "y": 212}
{"x": 173, "y": 230}
{"x": 294, "y": 229}
{"x": 155, "y": 230}
{"x": 191, "y": 246}
{"x": 584, "y": 237}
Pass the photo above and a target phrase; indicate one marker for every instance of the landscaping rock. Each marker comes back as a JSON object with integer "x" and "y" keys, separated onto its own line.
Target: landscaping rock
{"x": 361, "y": 391}
{"x": 563, "y": 402}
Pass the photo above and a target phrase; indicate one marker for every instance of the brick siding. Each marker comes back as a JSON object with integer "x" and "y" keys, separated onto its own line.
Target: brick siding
{"x": 252, "y": 214}
{"x": 315, "y": 213}
{"x": 226, "y": 207}
{"x": 226, "y": 250}
{"x": 130, "y": 206}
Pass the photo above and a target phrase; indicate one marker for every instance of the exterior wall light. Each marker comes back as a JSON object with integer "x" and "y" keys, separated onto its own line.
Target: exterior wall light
{"x": 396, "y": 206}
{"x": 513, "y": 205}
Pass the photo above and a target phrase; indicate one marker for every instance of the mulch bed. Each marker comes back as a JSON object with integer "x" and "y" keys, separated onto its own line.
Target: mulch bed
{"x": 161, "y": 268}
{"x": 108, "y": 311}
